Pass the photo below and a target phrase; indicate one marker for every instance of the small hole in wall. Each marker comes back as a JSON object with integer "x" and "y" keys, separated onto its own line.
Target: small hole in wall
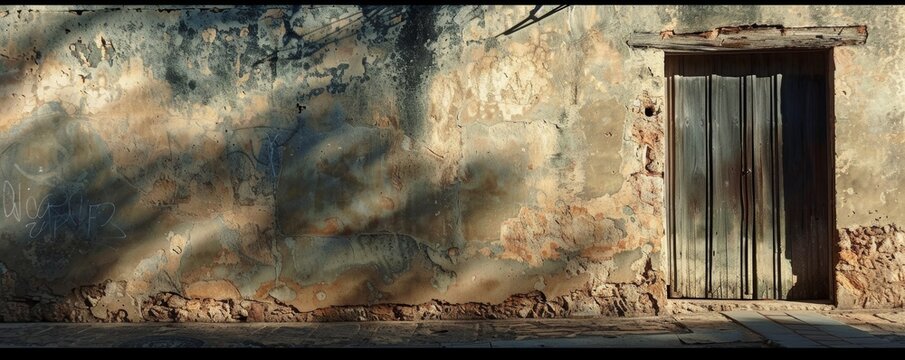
{"x": 649, "y": 110}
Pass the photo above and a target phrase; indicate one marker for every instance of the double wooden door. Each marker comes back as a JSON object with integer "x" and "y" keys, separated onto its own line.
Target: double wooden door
{"x": 749, "y": 176}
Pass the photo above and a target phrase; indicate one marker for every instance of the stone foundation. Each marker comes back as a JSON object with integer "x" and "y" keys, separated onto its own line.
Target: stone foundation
{"x": 106, "y": 303}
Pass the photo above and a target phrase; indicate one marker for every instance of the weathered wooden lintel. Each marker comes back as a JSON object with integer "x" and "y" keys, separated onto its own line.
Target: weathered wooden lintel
{"x": 753, "y": 37}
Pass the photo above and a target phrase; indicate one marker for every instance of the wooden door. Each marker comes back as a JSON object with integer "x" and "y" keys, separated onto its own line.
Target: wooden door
{"x": 749, "y": 176}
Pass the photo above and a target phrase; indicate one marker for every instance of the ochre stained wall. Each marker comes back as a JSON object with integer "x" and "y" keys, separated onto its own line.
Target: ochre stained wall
{"x": 346, "y": 163}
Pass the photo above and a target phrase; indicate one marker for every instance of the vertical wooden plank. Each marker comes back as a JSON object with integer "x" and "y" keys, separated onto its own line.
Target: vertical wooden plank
{"x": 669, "y": 70}
{"x": 805, "y": 193}
{"x": 760, "y": 101}
{"x": 792, "y": 159}
{"x": 803, "y": 247}
{"x": 691, "y": 178}
{"x": 830, "y": 161}
{"x": 822, "y": 212}
{"x": 679, "y": 198}
{"x": 783, "y": 254}
{"x": 814, "y": 129}
{"x": 748, "y": 218}
{"x": 726, "y": 150}
{"x": 704, "y": 246}
{"x": 698, "y": 110}
{"x": 807, "y": 249}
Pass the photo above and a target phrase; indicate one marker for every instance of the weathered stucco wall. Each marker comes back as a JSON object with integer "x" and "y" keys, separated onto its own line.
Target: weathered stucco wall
{"x": 346, "y": 163}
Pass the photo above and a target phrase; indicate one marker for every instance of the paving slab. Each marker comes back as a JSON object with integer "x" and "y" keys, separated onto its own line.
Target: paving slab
{"x": 601, "y": 332}
{"x": 811, "y": 329}
{"x": 730, "y": 329}
{"x": 769, "y": 329}
{"x": 870, "y": 323}
{"x": 831, "y": 326}
{"x": 839, "y": 344}
{"x": 715, "y": 329}
{"x": 814, "y": 319}
{"x": 655, "y": 341}
{"x": 471, "y": 345}
{"x": 714, "y": 337}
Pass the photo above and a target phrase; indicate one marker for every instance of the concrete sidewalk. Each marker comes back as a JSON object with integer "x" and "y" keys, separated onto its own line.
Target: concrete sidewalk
{"x": 687, "y": 330}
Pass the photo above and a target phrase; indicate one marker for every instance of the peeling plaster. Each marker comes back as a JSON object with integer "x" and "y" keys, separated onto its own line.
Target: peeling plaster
{"x": 295, "y": 163}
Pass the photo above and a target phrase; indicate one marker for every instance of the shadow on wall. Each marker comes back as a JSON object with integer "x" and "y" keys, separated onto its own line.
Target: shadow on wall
{"x": 339, "y": 195}
{"x": 67, "y": 214}
{"x": 806, "y": 194}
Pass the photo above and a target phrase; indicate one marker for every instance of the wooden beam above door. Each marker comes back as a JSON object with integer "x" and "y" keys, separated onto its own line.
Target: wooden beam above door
{"x": 753, "y": 37}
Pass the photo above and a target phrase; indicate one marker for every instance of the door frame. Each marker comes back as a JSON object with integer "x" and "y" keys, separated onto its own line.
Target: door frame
{"x": 833, "y": 249}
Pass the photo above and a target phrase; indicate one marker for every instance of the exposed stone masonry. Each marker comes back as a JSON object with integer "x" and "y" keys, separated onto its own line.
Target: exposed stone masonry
{"x": 871, "y": 267}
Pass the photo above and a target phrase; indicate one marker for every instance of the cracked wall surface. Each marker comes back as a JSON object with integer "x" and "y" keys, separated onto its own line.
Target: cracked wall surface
{"x": 298, "y": 163}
